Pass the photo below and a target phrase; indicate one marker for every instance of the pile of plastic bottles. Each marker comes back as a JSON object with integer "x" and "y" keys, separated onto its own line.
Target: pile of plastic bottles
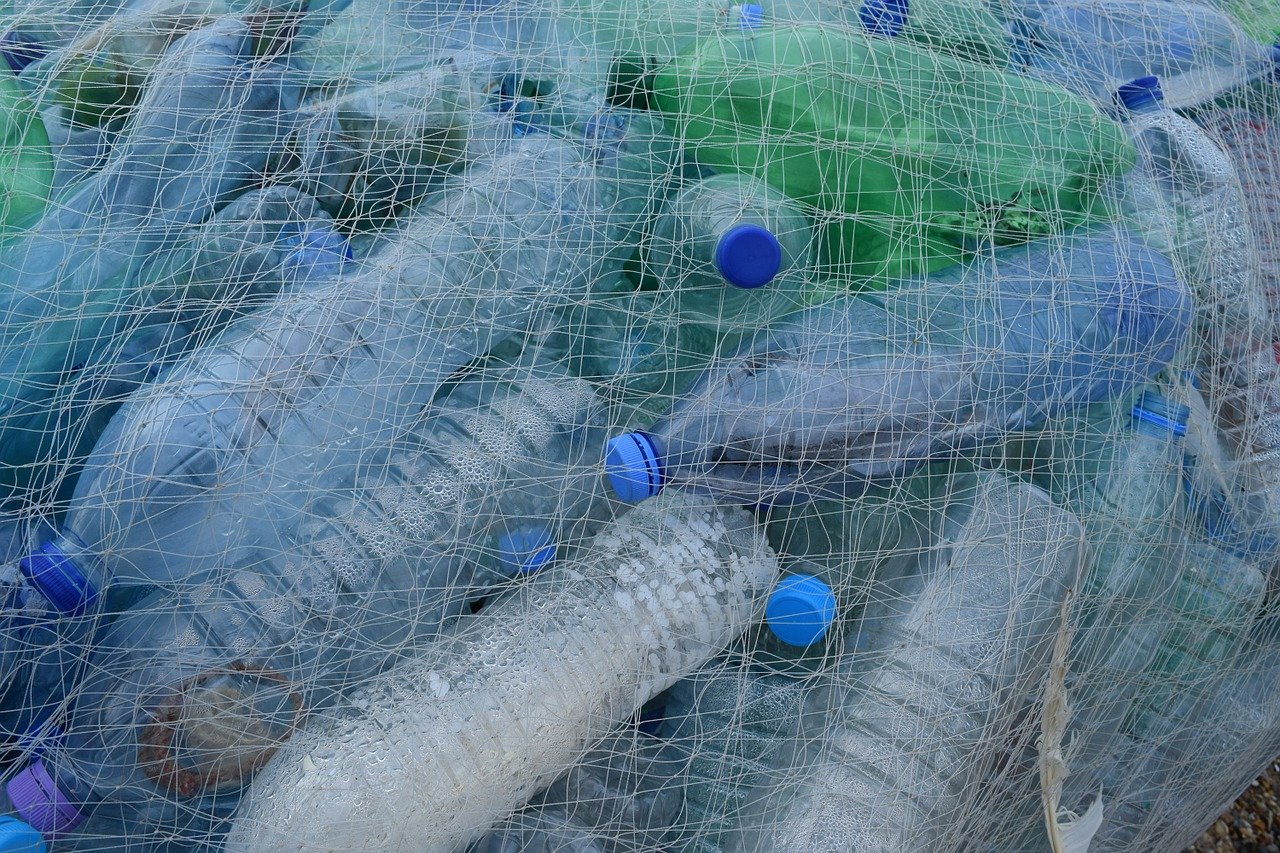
{"x": 637, "y": 425}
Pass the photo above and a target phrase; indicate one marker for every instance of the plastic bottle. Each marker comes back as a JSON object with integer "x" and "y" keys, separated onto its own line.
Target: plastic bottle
{"x": 27, "y": 177}
{"x": 369, "y": 150}
{"x": 897, "y": 762}
{"x": 242, "y": 256}
{"x": 1093, "y": 46}
{"x": 652, "y": 598}
{"x": 853, "y": 125}
{"x": 165, "y": 177}
{"x": 616, "y": 798}
{"x": 864, "y": 390}
{"x": 723, "y": 726}
{"x": 734, "y": 251}
{"x": 298, "y": 609}
{"x": 322, "y": 380}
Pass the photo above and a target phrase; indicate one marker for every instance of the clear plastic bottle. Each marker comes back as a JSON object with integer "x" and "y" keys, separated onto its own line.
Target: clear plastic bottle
{"x": 734, "y": 252}
{"x": 253, "y": 248}
{"x": 863, "y": 390}
{"x": 1093, "y": 46}
{"x": 616, "y": 799}
{"x": 894, "y": 767}
{"x": 324, "y": 587}
{"x": 204, "y": 131}
{"x": 328, "y": 375}
{"x": 531, "y": 682}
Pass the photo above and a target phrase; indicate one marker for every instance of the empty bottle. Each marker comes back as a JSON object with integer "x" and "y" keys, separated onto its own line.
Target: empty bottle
{"x": 1093, "y": 46}
{"x": 862, "y": 390}
{"x": 653, "y": 597}
{"x": 723, "y": 727}
{"x": 734, "y": 252}
{"x": 299, "y": 608}
{"x": 857, "y": 126}
{"x": 239, "y": 258}
{"x": 617, "y": 798}
{"x": 897, "y": 763}
{"x": 355, "y": 359}
{"x": 28, "y": 172}
{"x": 165, "y": 177}
{"x": 369, "y": 150}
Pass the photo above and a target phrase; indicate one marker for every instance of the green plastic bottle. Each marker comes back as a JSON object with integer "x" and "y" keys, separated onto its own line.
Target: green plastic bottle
{"x": 27, "y": 171}
{"x": 921, "y": 156}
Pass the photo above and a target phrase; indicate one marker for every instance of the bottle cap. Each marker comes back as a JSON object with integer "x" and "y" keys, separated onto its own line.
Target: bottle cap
{"x": 1155, "y": 409}
{"x": 527, "y": 549}
{"x": 20, "y": 50}
{"x": 1140, "y": 93}
{"x": 800, "y": 610}
{"x": 750, "y": 16}
{"x": 19, "y": 837}
{"x": 317, "y": 249}
{"x": 1275, "y": 56}
{"x": 39, "y": 736}
{"x": 58, "y": 579}
{"x": 41, "y": 802}
{"x": 632, "y": 465}
{"x": 748, "y": 256}
{"x": 884, "y": 18}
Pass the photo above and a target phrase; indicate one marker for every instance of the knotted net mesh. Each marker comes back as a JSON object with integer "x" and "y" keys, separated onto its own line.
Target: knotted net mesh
{"x": 621, "y": 425}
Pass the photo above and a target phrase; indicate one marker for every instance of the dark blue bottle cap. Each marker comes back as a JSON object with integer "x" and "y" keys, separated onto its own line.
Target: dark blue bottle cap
{"x": 20, "y": 50}
{"x": 1140, "y": 94}
{"x": 1159, "y": 411}
{"x": 750, "y": 16}
{"x": 40, "y": 736}
{"x": 527, "y": 549}
{"x": 19, "y": 837}
{"x": 800, "y": 610}
{"x": 1275, "y": 56}
{"x": 748, "y": 256}
{"x": 631, "y": 463}
{"x": 884, "y": 18}
{"x": 58, "y": 579}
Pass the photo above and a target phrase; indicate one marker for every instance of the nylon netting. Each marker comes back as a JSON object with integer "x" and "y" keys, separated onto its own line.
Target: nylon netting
{"x": 620, "y": 425}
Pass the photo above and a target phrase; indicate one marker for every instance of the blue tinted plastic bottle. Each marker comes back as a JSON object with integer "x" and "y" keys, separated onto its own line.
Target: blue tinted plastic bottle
{"x": 863, "y": 390}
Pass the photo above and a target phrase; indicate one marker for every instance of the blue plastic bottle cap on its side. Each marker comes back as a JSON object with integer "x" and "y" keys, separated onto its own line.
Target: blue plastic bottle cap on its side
{"x": 631, "y": 463}
{"x": 748, "y": 256}
{"x": 800, "y": 610}
{"x": 750, "y": 16}
{"x": 884, "y": 18}
{"x": 19, "y": 837}
{"x": 58, "y": 579}
{"x": 20, "y": 50}
{"x": 1275, "y": 56}
{"x": 526, "y": 550}
{"x": 1140, "y": 94}
{"x": 1155, "y": 409}
{"x": 319, "y": 248}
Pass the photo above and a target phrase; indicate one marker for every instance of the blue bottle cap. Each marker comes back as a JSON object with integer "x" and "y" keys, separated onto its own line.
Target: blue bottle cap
{"x": 527, "y": 549}
{"x": 1275, "y": 56}
{"x": 19, "y": 837}
{"x": 884, "y": 18}
{"x": 1139, "y": 94}
{"x": 20, "y": 50}
{"x": 748, "y": 256}
{"x": 632, "y": 465}
{"x": 39, "y": 737}
{"x": 1159, "y": 411}
{"x": 800, "y": 610}
{"x": 318, "y": 248}
{"x": 750, "y": 16}
{"x": 58, "y": 579}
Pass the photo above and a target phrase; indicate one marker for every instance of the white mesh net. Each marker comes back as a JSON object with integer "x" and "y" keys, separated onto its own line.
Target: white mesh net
{"x": 620, "y": 425}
